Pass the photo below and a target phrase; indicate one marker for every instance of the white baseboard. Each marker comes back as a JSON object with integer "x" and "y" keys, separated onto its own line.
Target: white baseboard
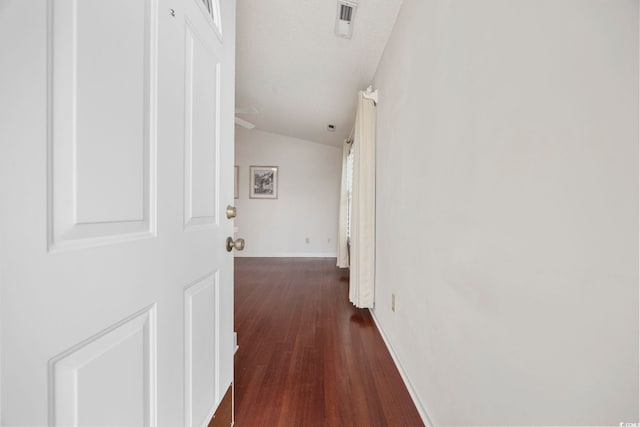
{"x": 286, "y": 255}
{"x": 426, "y": 419}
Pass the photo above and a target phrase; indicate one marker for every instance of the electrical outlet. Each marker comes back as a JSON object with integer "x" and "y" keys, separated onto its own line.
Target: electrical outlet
{"x": 306, "y": 240}
{"x": 393, "y": 302}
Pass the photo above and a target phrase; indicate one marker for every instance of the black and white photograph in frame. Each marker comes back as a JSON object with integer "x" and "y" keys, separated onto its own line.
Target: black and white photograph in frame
{"x": 263, "y": 181}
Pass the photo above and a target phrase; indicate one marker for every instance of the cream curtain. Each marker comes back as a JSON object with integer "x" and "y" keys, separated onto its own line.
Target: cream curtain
{"x": 362, "y": 256}
{"x": 343, "y": 248}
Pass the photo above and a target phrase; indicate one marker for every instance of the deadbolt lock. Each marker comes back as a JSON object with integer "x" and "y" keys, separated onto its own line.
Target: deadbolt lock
{"x": 231, "y": 211}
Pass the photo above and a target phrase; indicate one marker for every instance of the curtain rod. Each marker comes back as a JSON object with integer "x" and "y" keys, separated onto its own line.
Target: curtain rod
{"x": 369, "y": 93}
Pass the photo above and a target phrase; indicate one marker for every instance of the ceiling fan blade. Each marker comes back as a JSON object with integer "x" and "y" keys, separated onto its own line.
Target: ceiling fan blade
{"x": 246, "y": 110}
{"x": 245, "y": 124}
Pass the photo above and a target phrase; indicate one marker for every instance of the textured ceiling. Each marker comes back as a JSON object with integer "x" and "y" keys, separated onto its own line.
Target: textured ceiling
{"x": 298, "y": 74}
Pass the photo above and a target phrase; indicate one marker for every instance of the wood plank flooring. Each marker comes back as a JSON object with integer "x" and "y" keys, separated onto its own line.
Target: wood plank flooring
{"x": 307, "y": 357}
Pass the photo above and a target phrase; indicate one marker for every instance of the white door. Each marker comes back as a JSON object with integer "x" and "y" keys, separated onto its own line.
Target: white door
{"x": 116, "y": 165}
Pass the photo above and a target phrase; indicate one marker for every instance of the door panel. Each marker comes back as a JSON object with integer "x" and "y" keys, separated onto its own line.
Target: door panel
{"x": 116, "y": 366}
{"x": 202, "y": 122}
{"x": 105, "y": 139}
{"x": 201, "y": 349}
{"x": 89, "y": 138}
{"x": 116, "y": 290}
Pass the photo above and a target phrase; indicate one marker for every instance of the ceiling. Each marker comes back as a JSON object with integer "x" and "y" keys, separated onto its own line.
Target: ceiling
{"x": 300, "y": 76}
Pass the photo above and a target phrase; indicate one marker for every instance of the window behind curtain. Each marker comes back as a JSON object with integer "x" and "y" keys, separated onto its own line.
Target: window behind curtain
{"x": 349, "y": 190}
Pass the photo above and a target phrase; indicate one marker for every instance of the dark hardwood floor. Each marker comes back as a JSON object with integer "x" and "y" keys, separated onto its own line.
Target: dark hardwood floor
{"x": 308, "y": 357}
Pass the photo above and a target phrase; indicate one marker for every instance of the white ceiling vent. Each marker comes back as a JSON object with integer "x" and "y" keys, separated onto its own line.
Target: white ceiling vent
{"x": 344, "y": 18}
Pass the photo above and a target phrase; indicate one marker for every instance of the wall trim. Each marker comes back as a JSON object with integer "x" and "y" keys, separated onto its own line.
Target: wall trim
{"x": 287, "y": 255}
{"x": 426, "y": 419}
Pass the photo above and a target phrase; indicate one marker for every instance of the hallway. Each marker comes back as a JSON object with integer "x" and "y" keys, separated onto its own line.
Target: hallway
{"x": 307, "y": 357}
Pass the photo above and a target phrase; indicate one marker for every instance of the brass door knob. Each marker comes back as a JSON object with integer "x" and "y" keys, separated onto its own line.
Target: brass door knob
{"x": 237, "y": 244}
{"x": 231, "y": 211}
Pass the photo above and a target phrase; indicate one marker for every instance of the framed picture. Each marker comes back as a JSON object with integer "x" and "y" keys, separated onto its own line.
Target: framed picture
{"x": 263, "y": 181}
{"x": 236, "y": 173}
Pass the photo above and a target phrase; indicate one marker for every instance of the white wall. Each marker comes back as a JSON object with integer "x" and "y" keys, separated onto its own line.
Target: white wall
{"x": 308, "y": 195}
{"x": 507, "y": 209}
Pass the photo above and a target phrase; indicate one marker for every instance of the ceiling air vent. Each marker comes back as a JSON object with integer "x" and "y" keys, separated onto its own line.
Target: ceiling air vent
{"x": 344, "y": 18}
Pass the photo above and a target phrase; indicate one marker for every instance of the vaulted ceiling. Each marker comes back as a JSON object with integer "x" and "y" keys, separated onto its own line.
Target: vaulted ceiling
{"x": 297, "y": 73}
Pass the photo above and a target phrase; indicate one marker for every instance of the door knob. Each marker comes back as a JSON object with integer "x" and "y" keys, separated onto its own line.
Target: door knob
{"x": 231, "y": 211}
{"x": 237, "y": 244}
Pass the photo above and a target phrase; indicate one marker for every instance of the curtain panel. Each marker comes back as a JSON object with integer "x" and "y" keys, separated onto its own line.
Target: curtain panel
{"x": 362, "y": 245}
{"x": 343, "y": 249}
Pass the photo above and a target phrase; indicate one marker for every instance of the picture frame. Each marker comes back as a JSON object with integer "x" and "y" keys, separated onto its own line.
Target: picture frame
{"x": 236, "y": 183}
{"x": 263, "y": 182}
